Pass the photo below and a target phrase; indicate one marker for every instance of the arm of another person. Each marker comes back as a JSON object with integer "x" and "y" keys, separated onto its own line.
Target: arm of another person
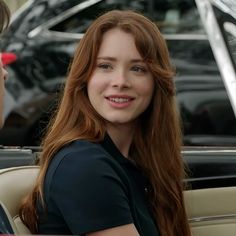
{"x": 128, "y": 229}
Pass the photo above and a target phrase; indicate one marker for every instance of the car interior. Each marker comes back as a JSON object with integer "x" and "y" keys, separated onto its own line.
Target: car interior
{"x": 210, "y": 211}
{"x": 16, "y": 182}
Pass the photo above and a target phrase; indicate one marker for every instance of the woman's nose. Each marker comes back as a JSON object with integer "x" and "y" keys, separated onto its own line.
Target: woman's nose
{"x": 120, "y": 80}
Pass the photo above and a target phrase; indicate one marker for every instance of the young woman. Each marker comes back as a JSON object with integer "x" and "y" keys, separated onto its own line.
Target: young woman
{"x": 111, "y": 162}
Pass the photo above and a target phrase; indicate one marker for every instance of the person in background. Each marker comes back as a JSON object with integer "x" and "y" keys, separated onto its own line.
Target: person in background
{"x": 4, "y": 22}
{"x": 111, "y": 160}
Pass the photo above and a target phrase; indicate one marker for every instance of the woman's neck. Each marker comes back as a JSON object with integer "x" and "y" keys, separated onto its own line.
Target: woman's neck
{"x": 122, "y": 136}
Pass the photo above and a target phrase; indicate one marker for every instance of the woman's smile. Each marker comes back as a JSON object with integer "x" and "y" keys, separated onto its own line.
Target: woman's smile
{"x": 119, "y": 101}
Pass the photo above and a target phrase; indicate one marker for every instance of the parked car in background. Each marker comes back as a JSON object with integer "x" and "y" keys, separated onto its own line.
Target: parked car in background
{"x": 42, "y": 39}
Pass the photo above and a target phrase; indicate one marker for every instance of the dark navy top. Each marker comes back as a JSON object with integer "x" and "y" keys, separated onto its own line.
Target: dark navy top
{"x": 92, "y": 186}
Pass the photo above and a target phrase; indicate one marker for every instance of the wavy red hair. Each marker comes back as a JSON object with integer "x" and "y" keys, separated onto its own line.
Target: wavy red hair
{"x": 156, "y": 147}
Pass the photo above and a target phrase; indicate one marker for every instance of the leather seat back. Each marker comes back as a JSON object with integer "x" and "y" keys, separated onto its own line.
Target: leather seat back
{"x": 15, "y": 183}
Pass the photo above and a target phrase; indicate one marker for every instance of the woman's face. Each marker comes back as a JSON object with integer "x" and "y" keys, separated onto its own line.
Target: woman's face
{"x": 121, "y": 86}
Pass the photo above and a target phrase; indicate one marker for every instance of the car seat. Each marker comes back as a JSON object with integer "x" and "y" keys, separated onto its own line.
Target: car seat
{"x": 15, "y": 183}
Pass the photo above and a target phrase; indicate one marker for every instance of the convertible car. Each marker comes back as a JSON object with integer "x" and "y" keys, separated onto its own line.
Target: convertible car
{"x": 210, "y": 193}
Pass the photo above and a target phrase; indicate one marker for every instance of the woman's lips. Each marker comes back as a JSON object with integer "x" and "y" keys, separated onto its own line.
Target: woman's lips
{"x": 120, "y": 101}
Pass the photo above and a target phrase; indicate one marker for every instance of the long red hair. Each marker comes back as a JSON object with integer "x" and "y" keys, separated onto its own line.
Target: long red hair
{"x": 156, "y": 147}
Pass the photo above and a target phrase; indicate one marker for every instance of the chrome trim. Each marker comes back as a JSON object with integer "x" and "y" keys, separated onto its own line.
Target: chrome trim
{"x": 219, "y": 49}
{"x": 61, "y": 35}
{"x": 230, "y": 28}
{"x": 211, "y": 218}
{"x": 221, "y": 177}
{"x": 208, "y": 151}
{"x": 185, "y": 36}
{"x": 224, "y": 7}
{"x": 61, "y": 17}
{"x": 221, "y": 5}
{"x": 66, "y": 35}
{"x": 21, "y": 9}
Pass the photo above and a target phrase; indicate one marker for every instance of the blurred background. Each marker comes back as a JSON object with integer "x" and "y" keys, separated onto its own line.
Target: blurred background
{"x": 39, "y": 45}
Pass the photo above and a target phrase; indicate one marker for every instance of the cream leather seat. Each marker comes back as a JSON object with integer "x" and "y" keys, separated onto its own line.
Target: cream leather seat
{"x": 15, "y": 183}
{"x": 212, "y": 212}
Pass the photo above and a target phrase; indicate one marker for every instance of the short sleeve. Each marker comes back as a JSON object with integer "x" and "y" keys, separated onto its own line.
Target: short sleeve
{"x": 90, "y": 193}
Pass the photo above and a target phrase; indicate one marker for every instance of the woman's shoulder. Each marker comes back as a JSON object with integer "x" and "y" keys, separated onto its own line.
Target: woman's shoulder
{"x": 80, "y": 152}
{"x": 83, "y": 156}
{"x": 83, "y": 162}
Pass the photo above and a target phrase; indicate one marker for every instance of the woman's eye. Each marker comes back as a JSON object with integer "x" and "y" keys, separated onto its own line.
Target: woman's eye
{"x": 139, "y": 69}
{"x": 104, "y": 66}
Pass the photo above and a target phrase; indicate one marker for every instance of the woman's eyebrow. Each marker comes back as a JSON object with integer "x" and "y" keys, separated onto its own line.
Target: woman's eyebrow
{"x": 135, "y": 60}
{"x": 107, "y": 58}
